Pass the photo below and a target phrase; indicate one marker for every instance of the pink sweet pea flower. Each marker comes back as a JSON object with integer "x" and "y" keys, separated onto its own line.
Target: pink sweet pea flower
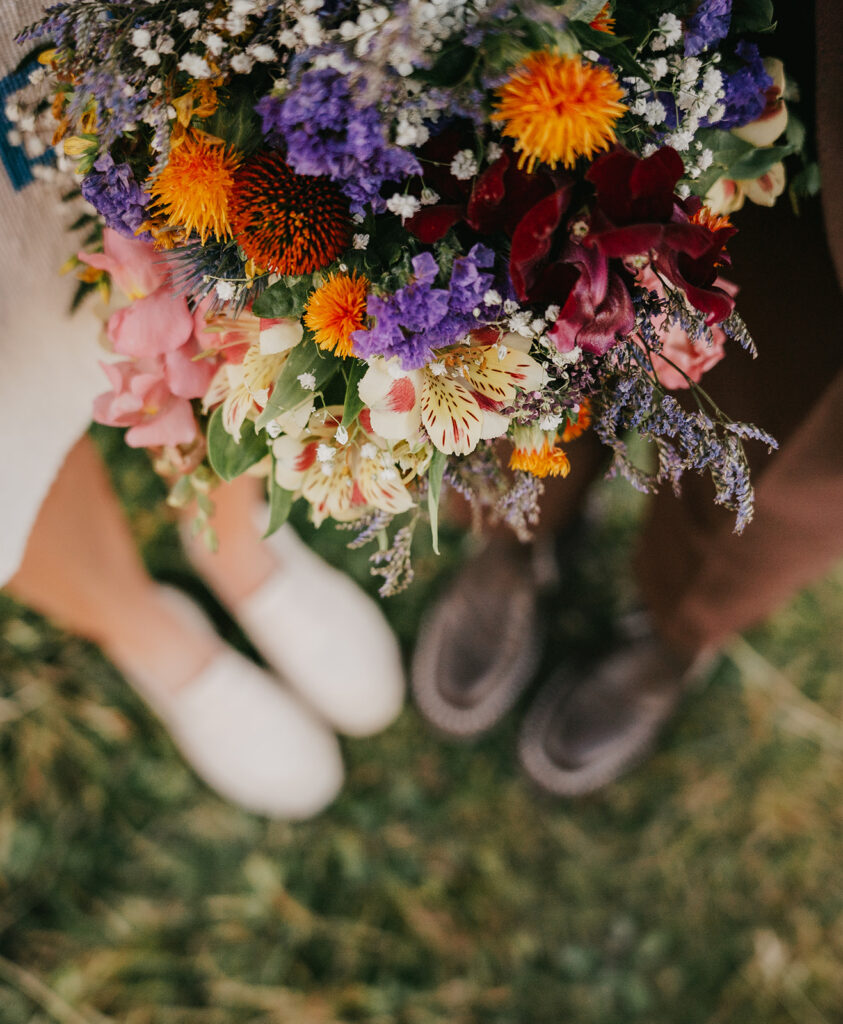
{"x": 136, "y": 269}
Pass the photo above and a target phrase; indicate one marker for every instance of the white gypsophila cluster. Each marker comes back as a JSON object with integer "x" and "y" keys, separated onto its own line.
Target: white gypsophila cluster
{"x": 669, "y": 33}
{"x": 406, "y": 38}
{"x": 464, "y": 165}
{"x": 403, "y": 206}
{"x": 697, "y": 87}
{"x": 32, "y": 128}
{"x": 524, "y": 322}
{"x": 410, "y": 129}
{"x": 210, "y": 41}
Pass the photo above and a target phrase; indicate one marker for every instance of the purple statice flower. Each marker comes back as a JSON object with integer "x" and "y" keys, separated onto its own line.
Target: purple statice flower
{"x": 707, "y": 25}
{"x": 113, "y": 192}
{"x": 420, "y": 317}
{"x": 745, "y": 88}
{"x": 325, "y": 132}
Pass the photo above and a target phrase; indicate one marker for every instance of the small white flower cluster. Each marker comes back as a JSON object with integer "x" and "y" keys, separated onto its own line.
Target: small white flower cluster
{"x": 524, "y": 322}
{"x": 697, "y": 87}
{"x": 151, "y": 43}
{"x": 464, "y": 165}
{"x": 410, "y": 129}
{"x": 303, "y": 28}
{"x": 403, "y": 206}
{"x": 405, "y": 38}
{"x": 211, "y": 41}
{"x": 669, "y": 33}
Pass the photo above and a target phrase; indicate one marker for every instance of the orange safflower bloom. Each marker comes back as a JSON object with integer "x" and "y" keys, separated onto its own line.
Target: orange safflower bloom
{"x": 335, "y": 310}
{"x": 558, "y": 108}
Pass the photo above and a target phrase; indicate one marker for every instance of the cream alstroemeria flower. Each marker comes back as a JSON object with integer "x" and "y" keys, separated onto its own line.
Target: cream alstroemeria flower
{"x": 457, "y": 399}
{"x": 341, "y": 477}
{"x": 256, "y": 351}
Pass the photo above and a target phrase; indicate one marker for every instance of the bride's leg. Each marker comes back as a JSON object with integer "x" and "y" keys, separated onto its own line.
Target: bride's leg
{"x": 241, "y": 562}
{"x": 81, "y": 569}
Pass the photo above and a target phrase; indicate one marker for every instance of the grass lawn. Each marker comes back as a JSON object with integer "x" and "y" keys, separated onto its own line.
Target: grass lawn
{"x": 440, "y": 888}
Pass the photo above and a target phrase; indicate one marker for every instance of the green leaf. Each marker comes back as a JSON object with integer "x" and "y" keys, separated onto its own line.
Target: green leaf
{"x": 795, "y": 131}
{"x": 757, "y": 162}
{"x": 230, "y": 458}
{"x": 451, "y": 67}
{"x": 235, "y": 121}
{"x": 288, "y": 393}
{"x": 284, "y": 300}
{"x": 752, "y": 16}
{"x": 280, "y": 503}
{"x": 610, "y": 45}
{"x": 435, "y": 472}
{"x": 353, "y": 401}
{"x": 807, "y": 182}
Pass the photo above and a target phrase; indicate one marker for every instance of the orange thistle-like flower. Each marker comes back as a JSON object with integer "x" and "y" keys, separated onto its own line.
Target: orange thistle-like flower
{"x": 578, "y": 426}
{"x": 558, "y": 108}
{"x": 535, "y": 452}
{"x": 287, "y": 223}
{"x": 335, "y": 310}
{"x": 604, "y": 22}
{"x": 193, "y": 189}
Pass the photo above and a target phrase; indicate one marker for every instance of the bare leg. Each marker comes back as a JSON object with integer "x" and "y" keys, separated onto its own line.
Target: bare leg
{"x": 242, "y": 562}
{"x": 81, "y": 569}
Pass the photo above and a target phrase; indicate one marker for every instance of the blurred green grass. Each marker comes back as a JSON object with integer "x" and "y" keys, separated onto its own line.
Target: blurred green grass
{"x": 705, "y": 887}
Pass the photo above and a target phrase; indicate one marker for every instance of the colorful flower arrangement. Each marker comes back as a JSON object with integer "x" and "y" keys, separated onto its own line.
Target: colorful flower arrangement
{"x": 370, "y": 249}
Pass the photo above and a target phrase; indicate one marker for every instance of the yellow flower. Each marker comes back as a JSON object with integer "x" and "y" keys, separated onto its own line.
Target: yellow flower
{"x": 535, "y": 452}
{"x": 335, "y": 310}
{"x": 194, "y": 188}
{"x": 558, "y": 108}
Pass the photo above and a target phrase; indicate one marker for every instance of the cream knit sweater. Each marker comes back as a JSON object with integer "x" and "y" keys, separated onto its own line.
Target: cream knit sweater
{"x": 49, "y": 372}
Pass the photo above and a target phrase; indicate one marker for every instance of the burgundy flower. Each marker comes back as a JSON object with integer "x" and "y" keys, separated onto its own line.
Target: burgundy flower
{"x": 495, "y": 201}
{"x": 598, "y": 307}
{"x": 637, "y": 212}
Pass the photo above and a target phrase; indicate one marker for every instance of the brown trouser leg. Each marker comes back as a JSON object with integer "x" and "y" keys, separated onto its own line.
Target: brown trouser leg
{"x": 700, "y": 580}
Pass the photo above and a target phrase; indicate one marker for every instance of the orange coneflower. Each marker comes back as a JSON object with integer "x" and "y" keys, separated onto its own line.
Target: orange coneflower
{"x": 335, "y": 310}
{"x": 194, "y": 188}
{"x": 558, "y": 108}
{"x": 535, "y": 452}
{"x": 287, "y": 223}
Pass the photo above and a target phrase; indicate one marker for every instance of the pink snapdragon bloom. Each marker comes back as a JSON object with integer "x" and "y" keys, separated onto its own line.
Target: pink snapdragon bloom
{"x": 151, "y": 326}
{"x": 151, "y": 395}
{"x": 693, "y": 358}
{"x": 167, "y": 367}
{"x": 135, "y": 267}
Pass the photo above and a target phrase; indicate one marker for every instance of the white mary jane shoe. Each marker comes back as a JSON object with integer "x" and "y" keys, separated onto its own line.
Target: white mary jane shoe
{"x": 327, "y": 638}
{"x": 249, "y": 739}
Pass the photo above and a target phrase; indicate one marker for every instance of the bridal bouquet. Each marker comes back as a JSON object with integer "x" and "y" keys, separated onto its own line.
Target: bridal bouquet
{"x": 361, "y": 243}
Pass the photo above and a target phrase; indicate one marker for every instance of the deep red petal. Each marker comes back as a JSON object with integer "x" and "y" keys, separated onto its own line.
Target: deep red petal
{"x": 653, "y": 182}
{"x": 433, "y": 222}
{"x": 533, "y": 238}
